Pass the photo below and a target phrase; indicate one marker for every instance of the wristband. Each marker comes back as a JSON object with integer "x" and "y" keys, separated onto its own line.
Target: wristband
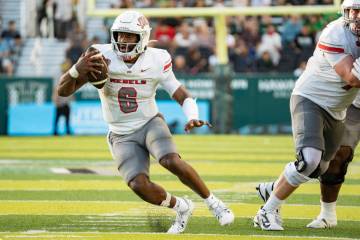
{"x": 73, "y": 72}
{"x": 190, "y": 109}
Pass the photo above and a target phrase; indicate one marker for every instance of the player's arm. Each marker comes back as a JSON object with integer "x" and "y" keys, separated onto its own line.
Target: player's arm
{"x": 349, "y": 71}
{"x": 190, "y": 109}
{"x": 179, "y": 93}
{"x": 75, "y": 77}
{"x": 333, "y": 48}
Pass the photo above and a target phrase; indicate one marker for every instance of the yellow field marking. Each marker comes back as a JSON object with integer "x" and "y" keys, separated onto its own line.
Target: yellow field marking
{"x": 148, "y": 236}
{"x": 244, "y": 169}
{"x": 142, "y": 209}
{"x": 241, "y": 187}
{"x": 93, "y": 185}
{"x": 235, "y": 169}
{"x": 308, "y": 188}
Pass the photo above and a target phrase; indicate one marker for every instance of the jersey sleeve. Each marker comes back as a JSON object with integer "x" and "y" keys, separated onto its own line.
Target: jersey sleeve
{"x": 332, "y": 44}
{"x": 167, "y": 77}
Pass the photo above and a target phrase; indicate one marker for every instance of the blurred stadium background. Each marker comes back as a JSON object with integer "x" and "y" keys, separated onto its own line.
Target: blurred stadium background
{"x": 239, "y": 58}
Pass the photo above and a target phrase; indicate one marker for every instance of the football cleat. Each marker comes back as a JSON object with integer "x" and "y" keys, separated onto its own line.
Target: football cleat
{"x": 320, "y": 222}
{"x": 264, "y": 190}
{"x": 277, "y": 216}
{"x": 267, "y": 221}
{"x": 222, "y": 213}
{"x": 182, "y": 218}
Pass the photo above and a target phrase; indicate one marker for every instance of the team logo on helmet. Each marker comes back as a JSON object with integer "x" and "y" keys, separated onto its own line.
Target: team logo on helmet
{"x": 142, "y": 22}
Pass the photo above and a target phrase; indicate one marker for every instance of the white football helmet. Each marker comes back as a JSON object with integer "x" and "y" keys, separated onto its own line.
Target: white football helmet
{"x": 353, "y": 22}
{"x": 130, "y": 22}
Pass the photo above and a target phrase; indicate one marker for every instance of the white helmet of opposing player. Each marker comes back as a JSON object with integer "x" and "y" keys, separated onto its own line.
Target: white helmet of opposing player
{"x": 130, "y": 22}
{"x": 351, "y": 18}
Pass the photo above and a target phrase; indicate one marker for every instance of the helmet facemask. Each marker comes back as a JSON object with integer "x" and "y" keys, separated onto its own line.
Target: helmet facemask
{"x": 130, "y": 22}
{"x": 352, "y": 21}
{"x": 351, "y": 18}
{"x": 126, "y": 50}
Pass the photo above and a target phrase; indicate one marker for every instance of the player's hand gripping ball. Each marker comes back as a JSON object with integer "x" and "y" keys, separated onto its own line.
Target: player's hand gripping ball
{"x": 98, "y": 78}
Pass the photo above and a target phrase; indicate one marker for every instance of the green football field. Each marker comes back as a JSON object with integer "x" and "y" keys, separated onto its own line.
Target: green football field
{"x": 67, "y": 188}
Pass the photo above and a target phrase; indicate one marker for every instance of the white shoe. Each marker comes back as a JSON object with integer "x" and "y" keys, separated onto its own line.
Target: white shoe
{"x": 222, "y": 213}
{"x": 182, "y": 218}
{"x": 277, "y": 216}
{"x": 320, "y": 222}
{"x": 267, "y": 220}
{"x": 264, "y": 190}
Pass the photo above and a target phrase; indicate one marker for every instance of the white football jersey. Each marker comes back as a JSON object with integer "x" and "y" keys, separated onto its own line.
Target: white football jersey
{"x": 319, "y": 82}
{"x": 356, "y": 102}
{"x": 128, "y": 97}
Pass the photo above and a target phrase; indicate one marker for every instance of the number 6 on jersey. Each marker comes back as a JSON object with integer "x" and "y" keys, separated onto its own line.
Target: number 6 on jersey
{"x": 127, "y": 99}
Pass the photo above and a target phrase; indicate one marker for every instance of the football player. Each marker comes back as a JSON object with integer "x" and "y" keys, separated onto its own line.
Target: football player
{"x": 136, "y": 128}
{"x": 331, "y": 181}
{"x": 318, "y": 106}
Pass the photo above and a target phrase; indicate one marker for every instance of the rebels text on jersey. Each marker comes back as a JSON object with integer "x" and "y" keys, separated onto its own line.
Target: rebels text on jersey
{"x": 128, "y": 97}
{"x": 319, "y": 82}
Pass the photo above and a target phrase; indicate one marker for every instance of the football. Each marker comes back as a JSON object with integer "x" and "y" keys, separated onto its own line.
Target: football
{"x": 98, "y": 80}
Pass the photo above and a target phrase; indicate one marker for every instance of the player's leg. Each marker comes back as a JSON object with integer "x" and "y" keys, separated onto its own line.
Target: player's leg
{"x": 268, "y": 217}
{"x": 307, "y": 123}
{"x": 161, "y": 146}
{"x": 333, "y": 178}
{"x": 155, "y": 194}
{"x": 133, "y": 165}
{"x": 331, "y": 181}
{"x": 264, "y": 191}
{"x": 330, "y": 184}
{"x": 186, "y": 173}
{"x": 191, "y": 178}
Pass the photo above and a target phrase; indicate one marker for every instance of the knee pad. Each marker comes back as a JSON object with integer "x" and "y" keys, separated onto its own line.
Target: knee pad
{"x": 338, "y": 167}
{"x": 308, "y": 162}
{"x": 306, "y": 166}
{"x": 293, "y": 177}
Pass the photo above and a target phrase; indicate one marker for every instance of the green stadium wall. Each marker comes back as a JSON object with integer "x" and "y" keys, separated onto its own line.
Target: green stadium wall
{"x": 257, "y": 99}
{"x": 15, "y": 90}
